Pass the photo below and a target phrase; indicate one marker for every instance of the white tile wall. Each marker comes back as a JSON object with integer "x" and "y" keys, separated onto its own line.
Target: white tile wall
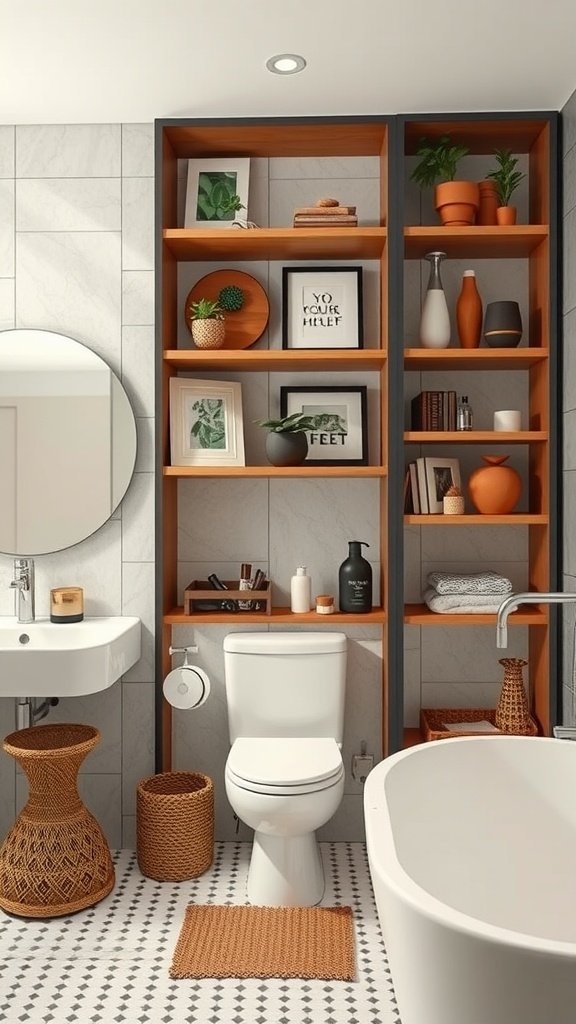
{"x": 69, "y": 276}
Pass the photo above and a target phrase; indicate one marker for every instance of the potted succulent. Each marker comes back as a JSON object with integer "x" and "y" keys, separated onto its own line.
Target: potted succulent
{"x": 507, "y": 179}
{"x": 456, "y": 201}
{"x": 286, "y": 441}
{"x": 207, "y": 323}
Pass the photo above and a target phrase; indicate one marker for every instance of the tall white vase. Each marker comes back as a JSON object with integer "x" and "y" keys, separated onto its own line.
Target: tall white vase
{"x": 435, "y": 321}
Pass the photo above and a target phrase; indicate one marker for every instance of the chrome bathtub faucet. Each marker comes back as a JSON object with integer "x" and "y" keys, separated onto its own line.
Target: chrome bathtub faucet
{"x": 23, "y": 583}
{"x": 532, "y": 597}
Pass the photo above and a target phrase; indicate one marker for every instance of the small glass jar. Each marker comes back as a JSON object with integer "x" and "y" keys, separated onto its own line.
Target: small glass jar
{"x": 325, "y": 604}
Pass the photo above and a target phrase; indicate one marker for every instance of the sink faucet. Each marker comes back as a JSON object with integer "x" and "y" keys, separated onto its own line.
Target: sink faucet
{"x": 23, "y": 582}
{"x": 512, "y": 602}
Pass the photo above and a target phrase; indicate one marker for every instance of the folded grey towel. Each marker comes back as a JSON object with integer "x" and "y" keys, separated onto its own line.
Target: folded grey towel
{"x": 470, "y": 583}
{"x": 462, "y": 604}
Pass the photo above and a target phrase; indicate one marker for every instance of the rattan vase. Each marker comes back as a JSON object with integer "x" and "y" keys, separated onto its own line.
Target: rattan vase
{"x": 512, "y": 713}
{"x": 55, "y": 859}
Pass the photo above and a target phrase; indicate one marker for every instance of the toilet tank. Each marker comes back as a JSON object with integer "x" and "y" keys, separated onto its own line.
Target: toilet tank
{"x": 285, "y": 684}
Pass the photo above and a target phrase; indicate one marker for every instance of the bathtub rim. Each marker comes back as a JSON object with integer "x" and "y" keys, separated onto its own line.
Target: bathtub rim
{"x": 409, "y": 891}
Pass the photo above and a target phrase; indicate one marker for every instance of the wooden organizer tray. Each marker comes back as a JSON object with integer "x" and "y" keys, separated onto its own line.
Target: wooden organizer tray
{"x": 200, "y": 590}
{"x": 433, "y": 720}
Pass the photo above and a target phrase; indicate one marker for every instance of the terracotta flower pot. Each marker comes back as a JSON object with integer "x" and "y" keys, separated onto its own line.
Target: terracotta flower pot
{"x": 457, "y": 202}
{"x": 506, "y": 215}
{"x": 495, "y": 489}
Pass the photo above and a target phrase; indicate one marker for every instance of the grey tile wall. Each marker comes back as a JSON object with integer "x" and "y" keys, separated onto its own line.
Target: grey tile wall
{"x": 76, "y": 256}
{"x": 569, "y": 405}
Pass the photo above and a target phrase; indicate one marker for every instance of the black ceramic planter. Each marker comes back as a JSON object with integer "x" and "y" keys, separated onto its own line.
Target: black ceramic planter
{"x": 287, "y": 448}
{"x": 503, "y": 324}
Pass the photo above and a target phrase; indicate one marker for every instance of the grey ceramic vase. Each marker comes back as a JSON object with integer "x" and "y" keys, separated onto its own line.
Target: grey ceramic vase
{"x": 503, "y": 324}
{"x": 287, "y": 448}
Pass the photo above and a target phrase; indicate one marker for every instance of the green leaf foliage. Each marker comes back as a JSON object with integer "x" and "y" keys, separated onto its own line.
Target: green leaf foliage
{"x": 438, "y": 161}
{"x": 328, "y": 423}
{"x": 506, "y": 177}
{"x": 206, "y": 309}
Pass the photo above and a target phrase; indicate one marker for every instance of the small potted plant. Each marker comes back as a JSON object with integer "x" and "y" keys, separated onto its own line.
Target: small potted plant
{"x": 456, "y": 201}
{"x": 507, "y": 179}
{"x": 286, "y": 441}
{"x": 207, "y": 323}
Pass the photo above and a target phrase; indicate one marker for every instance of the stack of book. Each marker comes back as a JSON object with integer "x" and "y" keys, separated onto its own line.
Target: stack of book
{"x": 325, "y": 217}
{"x": 434, "y": 410}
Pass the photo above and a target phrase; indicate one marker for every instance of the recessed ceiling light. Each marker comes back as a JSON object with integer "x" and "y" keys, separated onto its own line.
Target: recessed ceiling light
{"x": 286, "y": 63}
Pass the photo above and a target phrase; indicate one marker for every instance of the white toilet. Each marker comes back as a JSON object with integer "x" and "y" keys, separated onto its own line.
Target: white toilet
{"x": 284, "y": 773}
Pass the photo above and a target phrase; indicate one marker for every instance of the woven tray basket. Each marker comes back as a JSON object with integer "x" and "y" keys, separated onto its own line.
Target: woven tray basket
{"x": 433, "y": 720}
{"x": 175, "y": 825}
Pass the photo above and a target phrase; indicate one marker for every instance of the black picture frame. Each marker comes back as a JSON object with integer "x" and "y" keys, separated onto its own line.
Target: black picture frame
{"x": 329, "y": 449}
{"x": 335, "y": 320}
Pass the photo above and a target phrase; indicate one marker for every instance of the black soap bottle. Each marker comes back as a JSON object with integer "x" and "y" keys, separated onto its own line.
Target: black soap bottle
{"x": 355, "y": 580}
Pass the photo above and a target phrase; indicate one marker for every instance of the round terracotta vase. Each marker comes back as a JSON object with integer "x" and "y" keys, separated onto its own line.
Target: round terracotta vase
{"x": 495, "y": 489}
{"x": 286, "y": 448}
{"x": 457, "y": 202}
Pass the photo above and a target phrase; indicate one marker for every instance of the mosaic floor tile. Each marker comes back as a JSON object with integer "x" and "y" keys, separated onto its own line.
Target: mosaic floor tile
{"x": 109, "y": 964}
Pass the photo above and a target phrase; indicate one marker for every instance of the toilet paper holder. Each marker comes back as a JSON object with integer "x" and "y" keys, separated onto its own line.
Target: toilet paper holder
{"x": 188, "y": 686}
{"x": 191, "y": 649}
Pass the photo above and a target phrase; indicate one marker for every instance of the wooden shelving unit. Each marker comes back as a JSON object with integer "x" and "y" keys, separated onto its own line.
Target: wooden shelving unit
{"x": 535, "y": 244}
{"x": 392, "y": 243}
{"x": 262, "y": 138}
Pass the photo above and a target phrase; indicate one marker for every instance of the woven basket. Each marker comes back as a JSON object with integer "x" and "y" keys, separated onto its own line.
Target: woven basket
{"x": 434, "y": 720}
{"x": 175, "y": 825}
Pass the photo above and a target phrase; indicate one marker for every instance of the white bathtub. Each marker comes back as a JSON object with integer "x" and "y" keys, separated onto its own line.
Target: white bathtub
{"x": 472, "y": 851}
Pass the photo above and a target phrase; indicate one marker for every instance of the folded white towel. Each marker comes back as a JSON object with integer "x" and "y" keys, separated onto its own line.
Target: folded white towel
{"x": 488, "y": 582}
{"x": 461, "y": 604}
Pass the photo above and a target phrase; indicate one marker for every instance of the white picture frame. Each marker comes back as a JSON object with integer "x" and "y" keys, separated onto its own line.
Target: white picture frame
{"x": 440, "y": 475}
{"x": 206, "y": 425}
{"x": 227, "y": 174}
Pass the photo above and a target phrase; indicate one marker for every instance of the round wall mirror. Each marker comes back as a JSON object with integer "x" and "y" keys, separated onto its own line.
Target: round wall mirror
{"x": 67, "y": 442}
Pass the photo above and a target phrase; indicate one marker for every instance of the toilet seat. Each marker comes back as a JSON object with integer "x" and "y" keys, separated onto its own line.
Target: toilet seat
{"x": 285, "y": 766}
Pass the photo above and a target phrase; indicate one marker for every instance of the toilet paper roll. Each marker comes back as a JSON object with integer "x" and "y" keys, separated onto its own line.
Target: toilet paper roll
{"x": 186, "y": 687}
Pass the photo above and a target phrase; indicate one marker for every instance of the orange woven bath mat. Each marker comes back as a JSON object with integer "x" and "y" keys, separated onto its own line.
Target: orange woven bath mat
{"x": 265, "y": 942}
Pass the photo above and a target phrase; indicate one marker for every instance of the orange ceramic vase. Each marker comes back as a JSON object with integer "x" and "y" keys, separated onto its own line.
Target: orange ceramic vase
{"x": 469, "y": 312}
{"x": 488, "y": 202}
{"x": 495, "y": 489}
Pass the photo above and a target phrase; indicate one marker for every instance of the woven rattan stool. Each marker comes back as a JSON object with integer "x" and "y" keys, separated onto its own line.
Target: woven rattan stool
{"x": 55, "y": 859}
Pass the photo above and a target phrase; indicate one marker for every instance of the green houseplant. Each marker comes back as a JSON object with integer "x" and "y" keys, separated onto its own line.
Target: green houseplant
{"x": 455, "y": 200}
{"x": 207, "y": 323}
{"x": 286, "y": 441}
{"x": 506, "y": 179}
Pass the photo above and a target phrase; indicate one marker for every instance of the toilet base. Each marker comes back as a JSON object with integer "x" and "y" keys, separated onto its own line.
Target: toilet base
{"x": 285, "y": 871}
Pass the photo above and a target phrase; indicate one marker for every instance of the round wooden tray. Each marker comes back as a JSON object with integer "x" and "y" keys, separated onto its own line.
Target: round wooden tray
{"x": 246, "y": 325}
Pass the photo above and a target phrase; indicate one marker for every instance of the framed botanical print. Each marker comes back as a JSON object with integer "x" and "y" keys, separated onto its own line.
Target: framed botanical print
{"x": 341, "y": 437}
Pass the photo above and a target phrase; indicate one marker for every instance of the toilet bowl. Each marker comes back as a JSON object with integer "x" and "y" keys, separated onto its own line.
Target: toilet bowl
{"x": 285, "y": 788}
{"x": 284, "y": 774}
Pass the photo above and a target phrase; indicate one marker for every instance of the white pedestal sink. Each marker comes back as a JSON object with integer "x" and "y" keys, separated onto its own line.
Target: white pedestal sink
{"x": 48, "y": 659}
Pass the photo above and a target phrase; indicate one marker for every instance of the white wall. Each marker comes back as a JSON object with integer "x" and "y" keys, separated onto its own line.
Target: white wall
{"x": 77, "y": 257}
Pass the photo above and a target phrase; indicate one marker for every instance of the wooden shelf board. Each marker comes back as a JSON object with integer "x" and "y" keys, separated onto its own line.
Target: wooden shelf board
{"x": 274, "y": 471}
{"x": 474, "y": 436}
{"x": 474, "y": 519}
{"x": 476, "y": 242}
{"x": 176, "y": 617}
{"x": 481, "y": 136}
{"x": 275, "y": 243}
{"x": 473, "y": 358}
{"x": 421, "y": 615}
{"x": 270, "y": 360}
{"x": 412, "y": 736}
{"x": 293, "y": 137}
